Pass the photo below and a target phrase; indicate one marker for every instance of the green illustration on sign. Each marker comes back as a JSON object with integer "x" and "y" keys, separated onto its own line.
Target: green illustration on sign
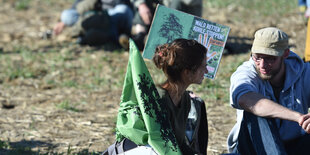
{"x": 169, "y": 24}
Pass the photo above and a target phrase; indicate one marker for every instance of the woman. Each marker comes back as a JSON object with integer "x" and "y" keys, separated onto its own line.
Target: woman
{"x": 184, "y": 63}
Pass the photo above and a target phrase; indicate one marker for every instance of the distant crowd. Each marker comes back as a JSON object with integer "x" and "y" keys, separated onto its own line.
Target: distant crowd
{"x": 96, "y": 22}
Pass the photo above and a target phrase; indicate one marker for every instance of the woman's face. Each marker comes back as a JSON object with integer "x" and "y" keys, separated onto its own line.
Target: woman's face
{"x": 198, "y": 76}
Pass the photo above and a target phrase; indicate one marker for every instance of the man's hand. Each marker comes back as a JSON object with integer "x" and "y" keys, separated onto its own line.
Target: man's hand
{"x": 58, "y": 28}
{"x": 304, "y": 122}
{"x": 145, "y": 13}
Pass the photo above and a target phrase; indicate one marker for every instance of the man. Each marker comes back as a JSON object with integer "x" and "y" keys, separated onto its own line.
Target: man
{"x": 271, "y": 93}
{"x": 98, "y": 21}
{"x": 145, "y": 10}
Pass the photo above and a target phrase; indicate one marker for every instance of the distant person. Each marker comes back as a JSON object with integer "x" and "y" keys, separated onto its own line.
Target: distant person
{"x": 193, "y": 7}
{"x": 184, "y": 63}
{"x": 145, "y": 10}
{"x": 304, "y": 7}
{"x": 271, "y": 94}
{"x": 307, "y": 48}
{"x": 96, "y": 22}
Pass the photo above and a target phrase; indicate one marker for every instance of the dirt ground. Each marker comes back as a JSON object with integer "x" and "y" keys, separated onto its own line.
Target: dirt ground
{"x": 28, "y": 117}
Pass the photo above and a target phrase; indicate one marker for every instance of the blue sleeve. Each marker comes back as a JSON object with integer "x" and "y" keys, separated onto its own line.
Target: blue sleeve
{"x": 306, "y": 82}
{"x": 69, "y": 17}
{"x": 244, "y": 80}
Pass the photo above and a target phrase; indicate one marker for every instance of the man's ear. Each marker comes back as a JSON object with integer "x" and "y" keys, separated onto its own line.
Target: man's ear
{"x": 286, "y": 53}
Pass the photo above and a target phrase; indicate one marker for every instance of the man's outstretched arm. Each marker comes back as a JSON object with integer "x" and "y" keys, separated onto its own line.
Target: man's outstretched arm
{"x": 261, "y": 106}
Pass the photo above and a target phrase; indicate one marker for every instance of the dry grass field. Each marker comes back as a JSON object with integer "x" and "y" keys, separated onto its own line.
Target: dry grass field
{"x": 57, "y": 97}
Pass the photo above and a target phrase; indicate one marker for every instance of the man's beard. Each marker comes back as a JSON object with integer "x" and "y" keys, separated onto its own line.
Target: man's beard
{"x": 272, "y": 73}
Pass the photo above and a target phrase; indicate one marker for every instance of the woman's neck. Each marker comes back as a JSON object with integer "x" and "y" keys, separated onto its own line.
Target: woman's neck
{"x": 175, "y": 91}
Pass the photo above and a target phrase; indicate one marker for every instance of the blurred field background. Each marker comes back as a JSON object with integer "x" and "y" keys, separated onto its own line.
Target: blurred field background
{"x": 61, "y": 98}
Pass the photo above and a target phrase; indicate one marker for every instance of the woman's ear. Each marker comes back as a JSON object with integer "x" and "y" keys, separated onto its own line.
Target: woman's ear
{"x": 186, "y": 74}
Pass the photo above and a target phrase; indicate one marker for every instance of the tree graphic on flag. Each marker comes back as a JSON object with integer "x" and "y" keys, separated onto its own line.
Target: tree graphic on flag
{"x": 142, "y": 117}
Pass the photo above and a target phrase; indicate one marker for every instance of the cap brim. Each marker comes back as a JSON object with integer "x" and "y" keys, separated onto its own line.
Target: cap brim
{"x": 267, "y": 51}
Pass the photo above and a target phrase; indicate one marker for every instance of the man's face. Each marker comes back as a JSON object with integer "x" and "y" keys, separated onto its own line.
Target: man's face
{"x": 267, "y": 66}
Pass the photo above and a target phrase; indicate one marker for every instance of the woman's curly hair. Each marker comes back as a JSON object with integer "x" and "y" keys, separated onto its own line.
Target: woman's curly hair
{"x": 175, "y": 57}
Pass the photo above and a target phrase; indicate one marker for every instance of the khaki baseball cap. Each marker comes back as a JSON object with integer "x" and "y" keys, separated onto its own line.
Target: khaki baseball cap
{"x": 270, "y": 41}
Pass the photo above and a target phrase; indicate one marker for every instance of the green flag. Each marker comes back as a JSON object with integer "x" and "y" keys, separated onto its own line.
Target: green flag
{"x": 142, "y": 117}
